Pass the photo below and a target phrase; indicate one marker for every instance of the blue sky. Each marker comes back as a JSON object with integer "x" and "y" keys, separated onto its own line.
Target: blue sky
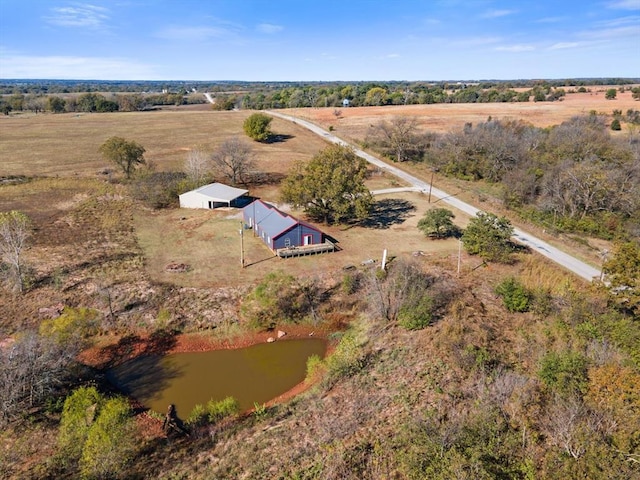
{"x": 300, "y": 40}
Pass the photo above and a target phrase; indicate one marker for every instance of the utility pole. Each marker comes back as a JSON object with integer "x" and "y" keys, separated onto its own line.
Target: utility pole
{"x": 459, "y": 254}
{"x": 241, "y": 245}
{"x": 433, "y": 170}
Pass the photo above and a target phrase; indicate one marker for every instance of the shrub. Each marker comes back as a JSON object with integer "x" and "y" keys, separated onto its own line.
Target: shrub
{"x": 159, "y": 189}
{"x": 315, "y": 366}
{"x": 615, "y": 125}
{"x": 217, "y": 411}
{"x": 347, "y": 359}
{"x": 78, "y": 413}
{"x": 489, "y": 236}
{"x": 564, "y": 372}
{"x": 438, "y": 223}
{"x": 110, "y": 441}
{"x": 74, "y": 325}
{"x": 416, "y": 314}
{"x": 256, "y": 127}
{"x": 516, "y": 297}
{"x": 197, "y": 417}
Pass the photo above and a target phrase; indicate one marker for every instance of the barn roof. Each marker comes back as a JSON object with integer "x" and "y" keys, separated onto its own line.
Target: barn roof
{"x": 219, "y": 192}
{"x": 273, "y": 221}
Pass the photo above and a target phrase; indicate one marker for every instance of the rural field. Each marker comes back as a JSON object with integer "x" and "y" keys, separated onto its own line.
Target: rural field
{"x": 353, "y": 123}
{"x": 467, "y": 391}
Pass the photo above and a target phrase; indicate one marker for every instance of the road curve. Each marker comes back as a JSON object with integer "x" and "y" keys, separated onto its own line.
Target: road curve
{"x": 563, "y": 259}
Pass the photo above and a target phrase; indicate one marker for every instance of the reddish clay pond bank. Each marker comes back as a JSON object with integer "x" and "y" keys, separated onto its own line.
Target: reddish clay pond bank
{"x": 254, "y": 374}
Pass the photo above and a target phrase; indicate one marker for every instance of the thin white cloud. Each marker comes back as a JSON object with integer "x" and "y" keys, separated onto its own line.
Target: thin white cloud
{"x": 497, "y": 13}
{"x": 614, "y": 33}
{"x": 515, "y": 48}
{"x": 269, "y": 28}
{"x": 473, "y": 41}
{"x": 624, "y": 5}
{"x": 70, "y": 67}
{"x": 566, "y": 45}
{"x": 197, "y": 34}
{"x": 82, "y": 15}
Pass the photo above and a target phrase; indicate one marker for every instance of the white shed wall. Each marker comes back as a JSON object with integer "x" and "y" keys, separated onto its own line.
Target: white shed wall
{"x": 194, "y": 199}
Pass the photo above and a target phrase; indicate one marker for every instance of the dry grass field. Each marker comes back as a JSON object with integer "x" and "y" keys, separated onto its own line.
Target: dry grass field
{"x": 354, "y": 123}
{"x": 67, "y": 144}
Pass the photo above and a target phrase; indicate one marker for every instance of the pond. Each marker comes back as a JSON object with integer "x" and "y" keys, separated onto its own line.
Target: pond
{"x": 251, "y": 375}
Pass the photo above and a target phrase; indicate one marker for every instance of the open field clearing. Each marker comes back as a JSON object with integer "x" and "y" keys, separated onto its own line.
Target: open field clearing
{"x": 354, "y": 122}
{"x": 67, "y": 144}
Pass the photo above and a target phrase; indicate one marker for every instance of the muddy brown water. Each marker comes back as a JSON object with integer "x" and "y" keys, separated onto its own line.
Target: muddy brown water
{"x": 251, "y": 375}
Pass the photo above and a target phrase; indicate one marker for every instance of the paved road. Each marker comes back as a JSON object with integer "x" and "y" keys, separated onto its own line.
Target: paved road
{"x": 567, "y": 261}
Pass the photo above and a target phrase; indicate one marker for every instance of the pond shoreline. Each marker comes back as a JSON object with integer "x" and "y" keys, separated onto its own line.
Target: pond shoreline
{"x": 117, "y": 350}
{"x": 112, "y": 351}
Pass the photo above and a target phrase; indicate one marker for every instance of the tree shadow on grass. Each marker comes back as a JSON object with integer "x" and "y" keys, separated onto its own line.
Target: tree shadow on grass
{"x": 388, "y": 212}
{"x": 279, "y": 137}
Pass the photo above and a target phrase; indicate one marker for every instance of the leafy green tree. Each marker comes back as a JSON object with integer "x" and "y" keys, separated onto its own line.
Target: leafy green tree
{"x": 488, "y": 236}
{"x": 437, "y": 223}
{"x": 615, "y": 125}
{"x": 622, "y": 272}
{"x": 331, "y": 186}
{"x": 515, "y": 295}
{"x": 56, "y": 104}
{"x": 256, "y": 127}
{"x": 611, "y": 94}
{"x": 124, "y": 153}
{"x": 15, "y": 229}
{"x": 376, "y": 96}
{"x": 110, "y": 442}
{"x": 79, "y": 412}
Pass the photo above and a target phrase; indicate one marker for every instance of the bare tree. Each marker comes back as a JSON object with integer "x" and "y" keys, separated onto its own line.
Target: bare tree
{"x": 196, "y": 166}
{"x": 15, "y": 228}
{"x": 398, "y": 136}
{"x": 31, "y": 368}
{"x": 234, "y": 159}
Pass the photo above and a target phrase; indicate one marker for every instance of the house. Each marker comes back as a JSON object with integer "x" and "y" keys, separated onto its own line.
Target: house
{"x": 214, "y": 195}
{"x": 283, "y": 234}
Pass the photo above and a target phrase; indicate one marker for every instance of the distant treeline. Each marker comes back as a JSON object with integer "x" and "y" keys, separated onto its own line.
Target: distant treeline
{"x": 62, "y": 96}
{"x": 42, "y": 86}
{"x": 93, "y": 102}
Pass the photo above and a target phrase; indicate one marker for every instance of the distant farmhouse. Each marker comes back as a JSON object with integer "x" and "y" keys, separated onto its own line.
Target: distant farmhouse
{"x": 214, "y": 195}
{"x": 285, "y": 235}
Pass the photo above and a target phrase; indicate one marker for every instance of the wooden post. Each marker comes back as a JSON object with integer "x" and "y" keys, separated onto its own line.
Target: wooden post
{"x": 241, "y": 244}
{"x": 384, "y": 259}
